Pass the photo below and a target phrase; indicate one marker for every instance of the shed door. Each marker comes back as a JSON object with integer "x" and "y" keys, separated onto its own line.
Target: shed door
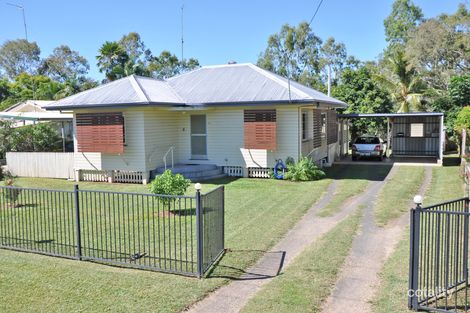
{"x": 198, "y": 137}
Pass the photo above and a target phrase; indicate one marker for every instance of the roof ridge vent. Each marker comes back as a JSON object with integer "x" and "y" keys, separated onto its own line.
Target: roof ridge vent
{"x": 231, "y": 62}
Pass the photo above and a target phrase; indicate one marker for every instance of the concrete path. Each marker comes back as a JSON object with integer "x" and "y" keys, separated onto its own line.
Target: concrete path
{"x": 234, "y": 296}
{"x": 359, "y": 279}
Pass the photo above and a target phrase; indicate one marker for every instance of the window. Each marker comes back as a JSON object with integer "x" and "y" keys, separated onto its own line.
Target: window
{"x": 260, "y": 129}
{"x": 100, "y": 132}
{"x": 416, "y": 130}
{"x": 304, "y": 126}
{"x": 323, "y": 125}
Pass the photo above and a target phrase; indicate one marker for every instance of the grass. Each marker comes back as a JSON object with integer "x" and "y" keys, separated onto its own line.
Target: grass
{"x": 258, "y": 213}
{"x": 394, "y": 198}
{"x": 391, "y": 296}
{"x": 307, "y": 282}
{"x": 351, "y": 181}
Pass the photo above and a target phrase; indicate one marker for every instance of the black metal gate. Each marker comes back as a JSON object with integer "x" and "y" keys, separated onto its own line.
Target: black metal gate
{"x": 438, "y": 277}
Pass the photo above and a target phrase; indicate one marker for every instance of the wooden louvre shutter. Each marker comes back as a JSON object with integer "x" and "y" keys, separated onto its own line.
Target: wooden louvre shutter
{"x": 260, "y": 129}
{"x": 100, "y": 132}
{"x": 332, "y": 127}
{"x": 316, "y": 128}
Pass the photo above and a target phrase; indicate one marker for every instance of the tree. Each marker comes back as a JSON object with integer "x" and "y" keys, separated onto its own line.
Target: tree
{"x": 403, "y": 84}
{"x": 333, "y": 58}
{"x": 19, "y": 56}
{"x": 112, "y": 60}
{"x": 4, "y": 90}
{"x": 463, "y": 119}
{"x": 459, "y": 90}
{"x": 405, "y": 16}
{"x": 439, "y": 48}
{"x": 293, "y": 52}
{"x": 167, "y": 65}
{"x": 26, "y": 87}
{"x": 135, "y": 47}
{"x": 64, "y": 64}
{"x": 364, "y": 95}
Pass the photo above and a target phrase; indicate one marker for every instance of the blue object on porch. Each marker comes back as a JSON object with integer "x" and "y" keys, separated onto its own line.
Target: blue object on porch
{"x": 279, "y": 169}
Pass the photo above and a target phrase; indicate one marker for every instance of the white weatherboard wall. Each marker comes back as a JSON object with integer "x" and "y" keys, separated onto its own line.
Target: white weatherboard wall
{"x": 161, "y": 132}
{"x": 225, "y": 138}
{"x": 150, "y": 132}
{"x": 133, "y": 158}
{"x": 41, "y": 164}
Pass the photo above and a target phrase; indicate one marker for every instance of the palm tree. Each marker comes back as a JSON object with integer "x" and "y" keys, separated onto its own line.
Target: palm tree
{"x": 112, "y": 60}
{"x": 403, "y": 84}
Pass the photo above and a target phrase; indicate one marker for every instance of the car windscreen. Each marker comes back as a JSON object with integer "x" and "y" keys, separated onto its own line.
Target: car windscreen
{"x": 368, "y": 140}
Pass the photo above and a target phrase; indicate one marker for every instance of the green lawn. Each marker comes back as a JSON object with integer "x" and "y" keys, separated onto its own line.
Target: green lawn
{"x": 392, "y": 294}
{"x": 394, "y": 198}
{"x": 351, "y": 181}
{"x": 307, "y": 282}
{"x": 258, "y": 213}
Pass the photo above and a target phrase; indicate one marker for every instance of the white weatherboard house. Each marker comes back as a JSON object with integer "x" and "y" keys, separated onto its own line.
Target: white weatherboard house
{"x": 236, "y": 119}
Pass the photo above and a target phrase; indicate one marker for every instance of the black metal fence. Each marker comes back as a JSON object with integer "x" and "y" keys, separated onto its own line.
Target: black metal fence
{"x": 438, "y": 279}
{"x": 178, "y": 234}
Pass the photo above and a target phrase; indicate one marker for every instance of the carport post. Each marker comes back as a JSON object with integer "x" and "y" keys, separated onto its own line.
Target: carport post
{"x": 441, "y": 139}
{"x": 388, "y": 137}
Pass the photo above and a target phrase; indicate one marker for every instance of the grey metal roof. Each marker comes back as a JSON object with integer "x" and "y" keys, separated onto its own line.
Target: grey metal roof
{"x": 231, "y": 84}
{"x": 365, "y": 115}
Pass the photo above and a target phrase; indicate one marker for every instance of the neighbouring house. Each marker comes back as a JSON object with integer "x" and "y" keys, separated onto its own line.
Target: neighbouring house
{"x": 236, "y": 119}
{"x": 30, "y": 112}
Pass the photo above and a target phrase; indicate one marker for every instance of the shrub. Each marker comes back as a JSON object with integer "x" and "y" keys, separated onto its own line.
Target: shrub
{"x": 290, "y": 161}
{"x": 463, "y": 119}
{"x": 169, "y": 184}
{"x": 11, "y": 194}
{"x": 304, "y": 170}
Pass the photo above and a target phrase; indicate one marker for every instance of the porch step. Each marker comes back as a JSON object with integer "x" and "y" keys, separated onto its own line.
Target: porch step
{"x": 194, "y": 172}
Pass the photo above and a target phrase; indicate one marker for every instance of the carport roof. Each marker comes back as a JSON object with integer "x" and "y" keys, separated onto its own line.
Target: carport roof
{"x": 365, "y": 115}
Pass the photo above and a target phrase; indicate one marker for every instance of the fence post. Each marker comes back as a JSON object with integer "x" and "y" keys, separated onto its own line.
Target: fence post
{"x": 223, "y": 217}
{"x": 199, "y": 229}
{"x": 414, "y": 257}
{"x": 77, "y": 221}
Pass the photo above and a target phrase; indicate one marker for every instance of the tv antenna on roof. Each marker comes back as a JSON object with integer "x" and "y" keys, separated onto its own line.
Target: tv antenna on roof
{"x": 20, "y": 7}
{"x": 182, "y": 32}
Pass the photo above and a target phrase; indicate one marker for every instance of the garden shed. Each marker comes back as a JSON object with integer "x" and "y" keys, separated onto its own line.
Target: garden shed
{"x": 419, "y": 134}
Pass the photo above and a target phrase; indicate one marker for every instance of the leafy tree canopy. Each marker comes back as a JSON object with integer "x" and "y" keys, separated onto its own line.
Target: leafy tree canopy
{"x": 19, "y": 56}
{"x": 64, "y": 64}
{"x": 463, "y": 119}
{"x": 439, "y": 48}
{"x": 294, "y": 52}
{"x": 359, "y": 89}
{"x": 405, "y": 16}
{"x": 129, "y": 55}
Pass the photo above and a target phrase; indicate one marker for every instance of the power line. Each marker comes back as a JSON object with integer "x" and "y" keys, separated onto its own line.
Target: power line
{"x": 316, "y": 11}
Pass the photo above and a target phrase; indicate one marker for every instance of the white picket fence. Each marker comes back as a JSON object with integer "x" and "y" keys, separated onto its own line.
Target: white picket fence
{"x": 41, "y": 164}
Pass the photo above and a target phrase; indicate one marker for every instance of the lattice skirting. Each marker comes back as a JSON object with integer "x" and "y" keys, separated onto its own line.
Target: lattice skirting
{"x": 259, "y": 172}
{"x": 116, "y": 176}
{"x": 234, "y": 171}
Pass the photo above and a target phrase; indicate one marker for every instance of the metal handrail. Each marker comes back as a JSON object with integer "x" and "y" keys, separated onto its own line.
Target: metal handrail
{"x": 172, "y": 156}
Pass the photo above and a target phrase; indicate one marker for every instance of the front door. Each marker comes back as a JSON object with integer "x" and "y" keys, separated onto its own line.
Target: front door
{"x": 198, "y": 137}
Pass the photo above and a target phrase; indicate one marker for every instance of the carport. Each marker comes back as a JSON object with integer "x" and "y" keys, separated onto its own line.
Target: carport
{"x": 417, "y": 135}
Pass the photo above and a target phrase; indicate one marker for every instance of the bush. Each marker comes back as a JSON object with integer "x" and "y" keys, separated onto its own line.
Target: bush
{"x": 169, "y": 184}
{"x": 304, "y": 170}
{"x": 11, "y": 195}
{"x": 463, "y": 119}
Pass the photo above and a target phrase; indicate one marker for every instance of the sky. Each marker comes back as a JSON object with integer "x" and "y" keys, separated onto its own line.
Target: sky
{"x": 215, "y": 32}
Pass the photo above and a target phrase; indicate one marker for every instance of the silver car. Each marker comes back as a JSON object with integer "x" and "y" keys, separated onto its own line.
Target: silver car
{"x": 370, "y": 147}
